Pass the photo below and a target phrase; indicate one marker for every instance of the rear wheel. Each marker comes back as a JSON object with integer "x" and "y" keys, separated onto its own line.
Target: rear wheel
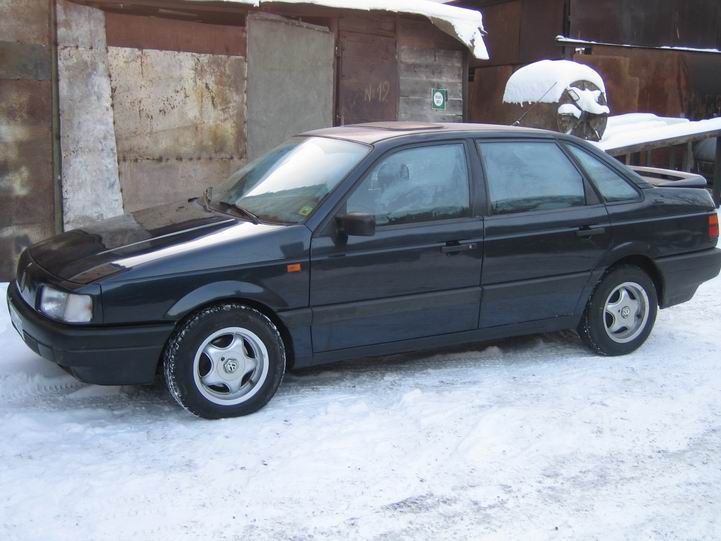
{"x": 621, "y": 313}
{"x": 225, "y": 361}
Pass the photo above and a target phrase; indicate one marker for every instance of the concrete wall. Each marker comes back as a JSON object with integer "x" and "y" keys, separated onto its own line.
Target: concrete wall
{"x": 290, "y": 80}
{"x": 26, "y": 168}
{"x": 90, "y": 184}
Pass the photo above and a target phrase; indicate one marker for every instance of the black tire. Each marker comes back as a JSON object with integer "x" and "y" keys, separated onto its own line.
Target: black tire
{"x": 596, "y": 323}
{"x": 183, "y": 375}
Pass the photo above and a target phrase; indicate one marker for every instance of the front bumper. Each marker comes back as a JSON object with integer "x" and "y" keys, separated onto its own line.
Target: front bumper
{"x": 101, "y": 355}
{"x": 682, "y": 274}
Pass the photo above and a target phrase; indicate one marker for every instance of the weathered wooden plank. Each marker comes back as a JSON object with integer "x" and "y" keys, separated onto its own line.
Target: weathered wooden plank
{"x": 435, "y": 72}
{"x": 419, "y": 33}
{"x": 412, "y": 106}
{"x": 418, "y": 88}
{"x": 24, "y": 61}
{"x": 410, "y": 55}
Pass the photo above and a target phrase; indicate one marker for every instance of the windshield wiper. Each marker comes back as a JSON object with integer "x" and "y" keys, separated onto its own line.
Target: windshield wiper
{"x": 207, "y": 196}
{"x": 224, "y": 205}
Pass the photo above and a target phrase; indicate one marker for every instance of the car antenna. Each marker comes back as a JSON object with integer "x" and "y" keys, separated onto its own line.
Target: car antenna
{"x": 518, "y": 122}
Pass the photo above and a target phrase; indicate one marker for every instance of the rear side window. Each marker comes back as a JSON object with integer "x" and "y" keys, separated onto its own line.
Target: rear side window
{"x": 416, "y": 185}
{"x": 612, "y": 186}
{"x": 524, "y": 176}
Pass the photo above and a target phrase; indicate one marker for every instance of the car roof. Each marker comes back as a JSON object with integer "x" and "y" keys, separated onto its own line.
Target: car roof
{"x": 373, "y": 132}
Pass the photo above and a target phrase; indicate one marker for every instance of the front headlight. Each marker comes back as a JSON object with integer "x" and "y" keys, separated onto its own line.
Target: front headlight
{"x": 67, "y": 307}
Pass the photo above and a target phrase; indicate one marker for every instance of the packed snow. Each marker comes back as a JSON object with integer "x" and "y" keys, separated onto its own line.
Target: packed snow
{"x": 530, "y": 438}
{"x": 547, "y": 80}
{"x": 637, "y": 128}
{"x": 465, "y": 25}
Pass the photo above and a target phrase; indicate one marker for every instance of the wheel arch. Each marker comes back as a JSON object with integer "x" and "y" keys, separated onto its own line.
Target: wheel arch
{"x": 646, "y": 264}
{"x": 238, "y": 293}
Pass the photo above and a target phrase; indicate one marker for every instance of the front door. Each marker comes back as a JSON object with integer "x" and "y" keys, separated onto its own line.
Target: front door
{"x": 420, "y": 274}
{"x": 547, "y": 231}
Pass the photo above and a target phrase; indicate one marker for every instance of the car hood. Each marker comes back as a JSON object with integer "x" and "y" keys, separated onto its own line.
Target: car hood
{"x": 90, "y": 253}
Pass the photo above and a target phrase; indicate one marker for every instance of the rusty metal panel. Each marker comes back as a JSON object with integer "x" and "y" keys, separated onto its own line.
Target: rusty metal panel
{"x": 25, "y": 21}
{"x": 704, "y": 85}
{"x": 174, "y": 35}
{"x": 23, "y": 61}
{"x": 26, "y": 180}
{"x": 184, "y": 108}
{"x": 503, "y": 24}
{"x": 659, "y": 23}
{"x": 541, "y": 22}
{"x": 486, "y": 95}
{"x": 26, "y": 175}
{"x": 648, "y": 80}
{"x": 368, "y": 89}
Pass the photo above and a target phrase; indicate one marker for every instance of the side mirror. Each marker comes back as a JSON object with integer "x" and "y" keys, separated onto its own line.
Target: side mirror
{"x": 357, "y": 224}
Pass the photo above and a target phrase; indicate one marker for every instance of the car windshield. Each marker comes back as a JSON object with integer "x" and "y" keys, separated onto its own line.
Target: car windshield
{"x": 289, "y": 182}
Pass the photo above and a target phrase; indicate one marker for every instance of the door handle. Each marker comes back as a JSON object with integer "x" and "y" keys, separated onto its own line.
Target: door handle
{"x": 454, "y": 247}
{"x": 590, "y": 231}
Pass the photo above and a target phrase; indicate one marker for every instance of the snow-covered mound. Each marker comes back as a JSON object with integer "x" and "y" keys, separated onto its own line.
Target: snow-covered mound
{"x": 639, "y": 128}
{"x": 546, "y": 81}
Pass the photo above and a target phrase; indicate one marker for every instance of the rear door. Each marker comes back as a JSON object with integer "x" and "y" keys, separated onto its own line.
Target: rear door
{"x": 546, "y": 232}
{"x": 420, "y": 274}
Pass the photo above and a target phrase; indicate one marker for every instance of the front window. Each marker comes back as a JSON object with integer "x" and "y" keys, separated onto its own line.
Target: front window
{"x": 289, "y": 182}
{"x": 416, "y": 185}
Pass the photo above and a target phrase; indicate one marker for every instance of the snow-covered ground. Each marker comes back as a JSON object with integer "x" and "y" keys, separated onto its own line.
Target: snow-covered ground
{"x": 532, "y": 438}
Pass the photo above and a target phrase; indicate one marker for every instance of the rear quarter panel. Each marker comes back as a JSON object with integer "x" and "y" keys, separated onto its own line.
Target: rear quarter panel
{"x": 667, "y": 222}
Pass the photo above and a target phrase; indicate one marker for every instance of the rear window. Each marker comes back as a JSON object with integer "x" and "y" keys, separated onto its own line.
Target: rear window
{"x": 613, "y": 187}
{"x": 525, "y": 176}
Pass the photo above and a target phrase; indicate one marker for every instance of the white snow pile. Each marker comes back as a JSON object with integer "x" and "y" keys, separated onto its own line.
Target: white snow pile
{"x": 530, "y": 438}
{"x": 638, "y": 128}
{"x": 466, "y": 25}
{"x": 547, "y": 80}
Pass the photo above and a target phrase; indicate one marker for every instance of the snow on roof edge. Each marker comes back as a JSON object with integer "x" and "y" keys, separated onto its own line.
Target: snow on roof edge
{"x": 466, "y": 25}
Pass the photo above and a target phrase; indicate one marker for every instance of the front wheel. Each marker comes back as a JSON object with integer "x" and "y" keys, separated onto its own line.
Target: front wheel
{"x": 225, "y": 361}
{"x": 621, "y": 313}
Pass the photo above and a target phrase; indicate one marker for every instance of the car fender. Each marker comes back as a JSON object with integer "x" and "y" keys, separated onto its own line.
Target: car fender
{"x": 223, "y": 290}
